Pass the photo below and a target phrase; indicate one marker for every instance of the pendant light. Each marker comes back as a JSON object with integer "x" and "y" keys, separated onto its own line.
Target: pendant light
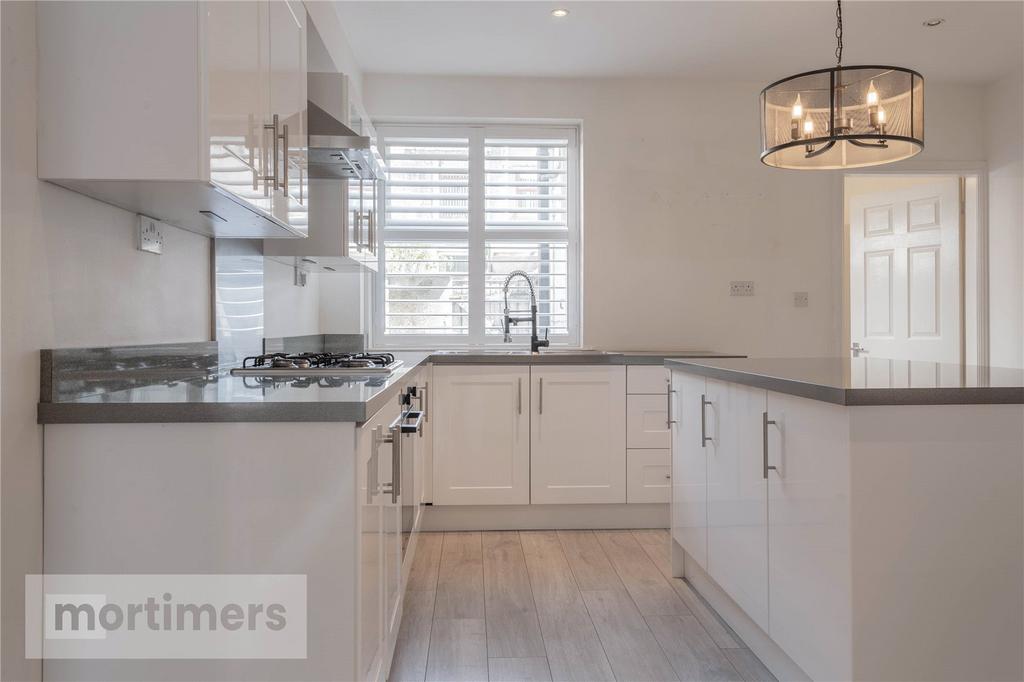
{"x": 842, "y": 117}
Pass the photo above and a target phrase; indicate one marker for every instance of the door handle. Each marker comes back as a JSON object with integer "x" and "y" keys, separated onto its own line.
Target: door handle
{"x": 540, "y": 395}
{"x": 704, "y": 437}
{"x": 519, "y": 395}
{"x": 765, "y": 421}
{"x": 394, "y": 437}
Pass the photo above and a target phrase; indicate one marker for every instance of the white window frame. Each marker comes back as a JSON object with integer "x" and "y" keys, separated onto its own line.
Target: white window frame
{"x": 476, "y": 237}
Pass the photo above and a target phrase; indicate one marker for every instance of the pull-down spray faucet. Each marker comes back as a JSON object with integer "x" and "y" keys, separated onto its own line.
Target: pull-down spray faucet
{"x": 535, "y": 343}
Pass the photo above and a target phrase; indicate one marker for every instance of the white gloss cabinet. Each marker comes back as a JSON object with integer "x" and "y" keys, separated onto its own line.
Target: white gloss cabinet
{"x": 648, "y": 476}
{"x": 578, "y": 434}
{"x": 737, "y": 496}
{"x": 178, "y": 110}
{"x": 809, "y": 533}
{"x": 690, "y": 444}
{"x": 481, "y": 421}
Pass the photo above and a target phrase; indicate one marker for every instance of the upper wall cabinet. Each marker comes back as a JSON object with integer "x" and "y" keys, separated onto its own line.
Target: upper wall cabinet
{"x": 190, "y": 112}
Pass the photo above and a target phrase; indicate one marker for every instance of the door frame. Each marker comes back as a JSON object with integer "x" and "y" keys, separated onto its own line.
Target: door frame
{"x": 975, "y": 169}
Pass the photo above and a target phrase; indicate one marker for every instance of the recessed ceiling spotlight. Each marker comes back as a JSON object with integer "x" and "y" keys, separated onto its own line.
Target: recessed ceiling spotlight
{"x": 932, "y": 23}
{"x": 560, "y": 12}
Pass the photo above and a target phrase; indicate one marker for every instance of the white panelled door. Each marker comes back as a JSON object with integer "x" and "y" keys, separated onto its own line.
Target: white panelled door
{"x": 481, "y": 418}
{"x": 578, "y": 434}
{"x": 905, "y": 272}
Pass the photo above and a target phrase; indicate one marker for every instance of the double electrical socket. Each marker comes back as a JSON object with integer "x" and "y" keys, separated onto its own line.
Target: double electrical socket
{"x": 150, "y": 238}
{"x": 741, "y": 288}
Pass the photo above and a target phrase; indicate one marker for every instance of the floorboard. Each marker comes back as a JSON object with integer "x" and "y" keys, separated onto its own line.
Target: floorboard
{"x": 519, "y": 670}
{"x": 574, "y": 649}
{"x": 425, "y": 564}
{"x": 410, "y": 662}
{"x": 693, "y": 654}
{"x": 458, "y": 650}
{"x": 460, "y": 580}
{"x": 647, "y": 586}
{"x": 513, "y": 630}
{"x": 589, "y": 563}
{"x": 632, "y": 650}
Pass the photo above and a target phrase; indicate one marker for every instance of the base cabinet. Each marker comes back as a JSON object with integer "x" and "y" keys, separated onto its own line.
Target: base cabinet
{"x": 737, "y": 497}
{"x": 578, "y": 435}
{"x": 690, "y": 446}
{"x": 481, "y": 421}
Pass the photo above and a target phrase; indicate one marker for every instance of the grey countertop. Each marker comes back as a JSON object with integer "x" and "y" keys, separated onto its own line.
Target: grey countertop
{"x": 867, "y": 381}
{"x": 194, "y": 397}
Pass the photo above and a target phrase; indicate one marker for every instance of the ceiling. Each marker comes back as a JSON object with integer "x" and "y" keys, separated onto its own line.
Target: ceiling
{"x": 755, "y": 41}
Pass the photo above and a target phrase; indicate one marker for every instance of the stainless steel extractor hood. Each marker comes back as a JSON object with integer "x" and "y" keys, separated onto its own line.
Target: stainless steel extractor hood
{"x": 335, "y": 150}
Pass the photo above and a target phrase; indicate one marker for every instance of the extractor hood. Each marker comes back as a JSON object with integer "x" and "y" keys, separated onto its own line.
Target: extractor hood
{"x": 335, "y": 150}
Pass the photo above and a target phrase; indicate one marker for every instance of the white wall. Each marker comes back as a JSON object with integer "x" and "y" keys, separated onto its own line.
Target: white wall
{"x": 677, "y": 204}
{"x": 1005, "y": 151}
{"x": 289, "y": 310}
{"x": 71, "y": 277}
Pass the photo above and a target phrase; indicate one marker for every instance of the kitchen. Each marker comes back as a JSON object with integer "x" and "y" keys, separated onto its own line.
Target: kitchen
{"x": 524, "y": 466}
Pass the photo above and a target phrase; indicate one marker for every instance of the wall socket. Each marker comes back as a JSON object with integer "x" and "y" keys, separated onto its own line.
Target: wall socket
{"x": 799, "y": 299}
{"x": 150, "y": 238}
{"x": 741, "y": 288}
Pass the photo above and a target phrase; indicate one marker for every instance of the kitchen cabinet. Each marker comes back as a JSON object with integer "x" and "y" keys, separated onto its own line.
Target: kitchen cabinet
{"x": 737, "y": 496}
{"x": 648, "y": 476}
{"x": 646, "y": 424}
{"x": 690, "y": 452}
{"x": 578, "y": 434}
{"x": 765, "y": 512}
{"x": 809, "y": 533}
{"x": 189, "y": 112}
{"x": 481, "y": 421}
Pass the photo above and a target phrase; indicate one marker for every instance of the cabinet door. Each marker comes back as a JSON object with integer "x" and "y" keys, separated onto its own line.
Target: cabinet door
{"x": 237, "y": 99}
{"x": 391, "y": 538}
{"x": 689, "y": 467}
{"x": 286, "y": 40}
{"x": 578, "y": 435}
{"x": 371, "y": 586}
{"x": 809, "y": 534}
{"x": 648, "y": 477}
{"x": 738, "y": 497}
{"x": 481, "y": 421}
{"x": 646, "y": 421}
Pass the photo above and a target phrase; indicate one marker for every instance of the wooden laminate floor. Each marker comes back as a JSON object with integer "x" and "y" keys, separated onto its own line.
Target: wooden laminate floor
{"x": 560, "y": 605}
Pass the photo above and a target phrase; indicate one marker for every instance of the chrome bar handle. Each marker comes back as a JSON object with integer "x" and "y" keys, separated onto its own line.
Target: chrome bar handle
{"x": 272, "y": 127}
{"x": 540, "y": 395}
{"x": 284, "y": 148}
{"x": 421, "y": 395}
{"x": 669, "y": 421}
{"x": 765, "y": 421}
{"x": 519, "y": 395}
{"x": 426, "y": 400}
{"x": 371, "y": 231}
{"x": 396, "y": 458}
{"x": 704, "y": 437}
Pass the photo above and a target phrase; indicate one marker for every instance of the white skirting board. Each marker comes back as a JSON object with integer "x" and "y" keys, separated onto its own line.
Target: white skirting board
{"x": 545, "y": 517}
{"x": 773, "y": 657}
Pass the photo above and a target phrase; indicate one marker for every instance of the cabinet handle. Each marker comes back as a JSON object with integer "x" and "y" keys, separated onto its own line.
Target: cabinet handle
{"x": 272, "y": 127}
{"x": 765, "y": 421}
{"x": 426, "y": 400}
{"x": 421, "y": 393}
{"x": 519, "y": 395}
{"x": 250, "y": 138}
{"x": 540, "y": 395}
{"x": 394, "y": 437}
{"x": 669, "y": 421}
{"x": 371, "y": 221}
{"x": 284, "y": 148}
{"x": 704, "y": 437}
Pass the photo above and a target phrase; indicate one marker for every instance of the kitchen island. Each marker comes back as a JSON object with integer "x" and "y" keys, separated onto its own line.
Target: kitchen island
{"x": 855, "y": 518}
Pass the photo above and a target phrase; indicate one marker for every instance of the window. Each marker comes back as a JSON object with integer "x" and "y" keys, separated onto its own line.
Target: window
{"x": 466, "y": 206}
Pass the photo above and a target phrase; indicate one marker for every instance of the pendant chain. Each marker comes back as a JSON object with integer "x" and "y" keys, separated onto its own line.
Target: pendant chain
{"x": 839, "y": 32}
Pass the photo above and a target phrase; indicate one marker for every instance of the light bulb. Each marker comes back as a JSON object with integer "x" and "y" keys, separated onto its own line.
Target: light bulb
{"x": 808, "y": 127}
{"x": 881, "y": 116}
{"x": 798, "y": 109}
{"x": 872, "y": 95}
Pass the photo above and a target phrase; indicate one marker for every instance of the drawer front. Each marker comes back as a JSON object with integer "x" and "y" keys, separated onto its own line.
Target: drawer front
{"x": 645, "y": 421}
{"x": 648, "y": 476}
{"x": 646, "y": 379}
